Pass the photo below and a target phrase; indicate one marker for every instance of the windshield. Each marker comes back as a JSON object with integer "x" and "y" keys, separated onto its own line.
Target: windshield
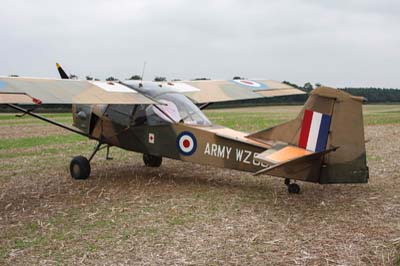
{"x": 175, "y": 108}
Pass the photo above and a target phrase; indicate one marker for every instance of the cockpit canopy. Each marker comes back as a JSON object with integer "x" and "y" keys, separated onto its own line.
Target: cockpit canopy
{"x": 175, "y": 108}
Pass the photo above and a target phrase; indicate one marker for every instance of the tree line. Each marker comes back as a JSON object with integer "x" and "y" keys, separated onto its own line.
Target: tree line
{"x": 372, "y": 95}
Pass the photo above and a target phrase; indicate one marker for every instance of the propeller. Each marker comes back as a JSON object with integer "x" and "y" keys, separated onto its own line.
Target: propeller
{"x": 62, "y": 72}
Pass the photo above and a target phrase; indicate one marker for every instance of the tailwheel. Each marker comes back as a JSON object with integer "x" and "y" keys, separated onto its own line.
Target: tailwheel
{"x": 151, "y": 160}
{"x": 79, "y": 167}
{"x": 293, "y": 188}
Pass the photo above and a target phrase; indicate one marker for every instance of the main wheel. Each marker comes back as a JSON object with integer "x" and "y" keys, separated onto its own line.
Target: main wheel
{"x": 151, "y": 160}
{"x": 294, "y": 188}
{"x": 79, "y": 167}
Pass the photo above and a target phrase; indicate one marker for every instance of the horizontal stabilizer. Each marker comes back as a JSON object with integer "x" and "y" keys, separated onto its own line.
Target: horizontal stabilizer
{"x": 281, "y": 153}
{"x": 290, "y": 157}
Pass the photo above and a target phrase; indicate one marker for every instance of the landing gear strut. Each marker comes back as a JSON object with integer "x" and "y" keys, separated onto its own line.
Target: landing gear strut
{"x": 293, "y": 188}
{"x": 80, "y": 166}
{"x": 151, "y": 160}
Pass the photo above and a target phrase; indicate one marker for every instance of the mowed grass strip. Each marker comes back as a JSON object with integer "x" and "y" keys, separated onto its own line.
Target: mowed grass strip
{"x": 382, "y": 118}
{"x": 38, "y": 141}
{"x": 11, "y": 119}
{"x": 11, "y": 116}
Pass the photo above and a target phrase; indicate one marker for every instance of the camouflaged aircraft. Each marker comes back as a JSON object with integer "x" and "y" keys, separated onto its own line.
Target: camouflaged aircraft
{"x": 323, "y": 144}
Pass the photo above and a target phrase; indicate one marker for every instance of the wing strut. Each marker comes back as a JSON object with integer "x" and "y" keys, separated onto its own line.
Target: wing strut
{"x": 28, "y": 112}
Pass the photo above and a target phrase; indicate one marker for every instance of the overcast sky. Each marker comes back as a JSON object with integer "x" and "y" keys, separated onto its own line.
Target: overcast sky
{"x": 337, "y": 43}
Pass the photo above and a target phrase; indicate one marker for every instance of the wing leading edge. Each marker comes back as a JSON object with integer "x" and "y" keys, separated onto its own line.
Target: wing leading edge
{"x": 205, "y": 91}
{"x": 64, "y": 91}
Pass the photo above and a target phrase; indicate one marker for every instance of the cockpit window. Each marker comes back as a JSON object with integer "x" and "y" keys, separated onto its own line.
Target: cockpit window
{"x": 167, "y": 111}
{"x": 175, "y": 108}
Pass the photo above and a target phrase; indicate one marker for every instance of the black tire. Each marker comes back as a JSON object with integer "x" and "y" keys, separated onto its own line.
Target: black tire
{"x": 151, "y": 160}
{"x": 293, "y": 188}
{"x": 79, "y": 168}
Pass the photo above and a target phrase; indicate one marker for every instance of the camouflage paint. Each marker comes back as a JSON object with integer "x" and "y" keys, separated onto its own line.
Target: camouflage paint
{"x": 347, "y": 164}
{"x": 67, "y": 91}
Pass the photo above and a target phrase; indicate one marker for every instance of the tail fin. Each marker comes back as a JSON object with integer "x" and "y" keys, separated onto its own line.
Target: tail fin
{"x": 330, "y": 119}
{"x": 63, "y": 75}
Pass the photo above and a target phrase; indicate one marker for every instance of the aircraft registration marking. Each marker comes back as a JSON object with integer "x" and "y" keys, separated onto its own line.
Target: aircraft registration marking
{"x": 228, "y": 153}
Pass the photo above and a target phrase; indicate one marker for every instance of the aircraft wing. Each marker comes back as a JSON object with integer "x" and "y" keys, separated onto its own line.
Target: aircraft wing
{"x": 207, "y": 91}
{"x": 65, "y": 91}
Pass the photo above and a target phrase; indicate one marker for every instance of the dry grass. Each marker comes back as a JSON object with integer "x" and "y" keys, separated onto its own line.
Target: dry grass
{"x": 184, "y": 213}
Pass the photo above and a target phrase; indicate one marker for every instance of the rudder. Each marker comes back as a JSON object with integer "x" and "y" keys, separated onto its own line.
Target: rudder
{"x": 329, "y": 119}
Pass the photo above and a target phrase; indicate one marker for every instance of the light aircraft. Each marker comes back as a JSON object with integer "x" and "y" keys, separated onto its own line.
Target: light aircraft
{"x": 323, "y": 144}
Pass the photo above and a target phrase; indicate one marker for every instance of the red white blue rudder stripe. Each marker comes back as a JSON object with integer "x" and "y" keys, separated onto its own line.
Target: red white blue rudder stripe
{"x": 314, "y": 131}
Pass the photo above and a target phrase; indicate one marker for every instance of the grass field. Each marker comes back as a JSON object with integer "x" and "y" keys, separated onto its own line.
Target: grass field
{"x": 184, "y": 213}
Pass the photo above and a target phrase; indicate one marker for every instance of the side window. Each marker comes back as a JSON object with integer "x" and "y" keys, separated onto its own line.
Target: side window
{"x": 120, "y": 113}
{"x": 139, "y": 116}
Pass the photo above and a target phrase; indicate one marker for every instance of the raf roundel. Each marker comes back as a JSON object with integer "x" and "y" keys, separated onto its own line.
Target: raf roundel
{"x": 250, "y": 83}
{"x": 2, "y": 84}
{"x": 186, "y": 143}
